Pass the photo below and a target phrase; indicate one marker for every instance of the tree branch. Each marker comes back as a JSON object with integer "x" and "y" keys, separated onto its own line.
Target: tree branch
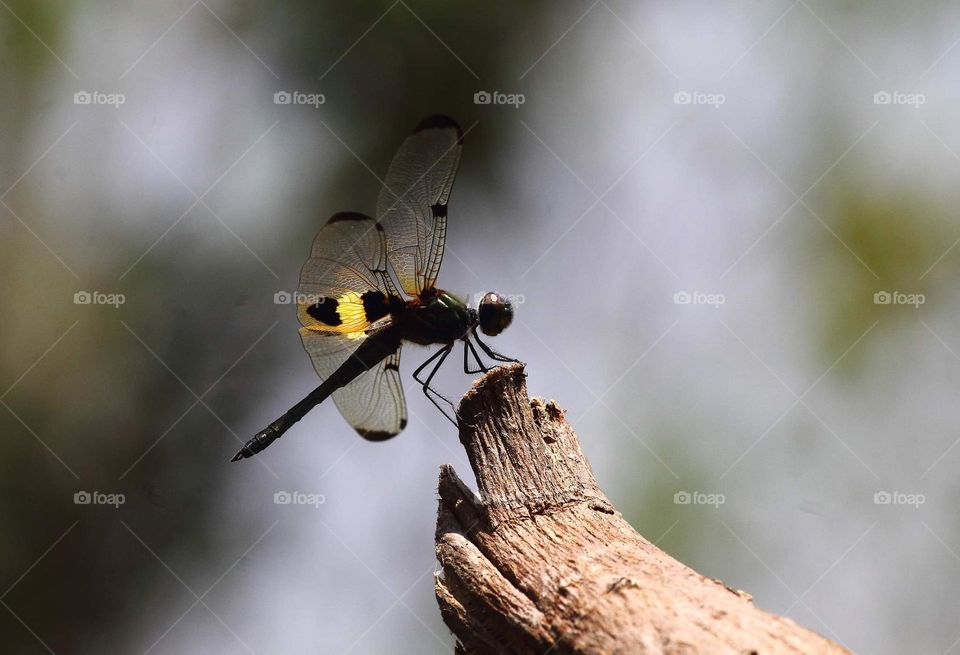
{"x": 545, "y": 563}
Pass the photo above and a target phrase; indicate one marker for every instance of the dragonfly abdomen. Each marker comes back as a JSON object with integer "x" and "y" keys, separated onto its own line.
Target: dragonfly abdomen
{"x": 374, "y": 349}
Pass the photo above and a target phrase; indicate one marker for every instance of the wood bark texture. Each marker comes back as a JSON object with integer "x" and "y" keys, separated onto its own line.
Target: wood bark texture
{"x": 542, "y": 562}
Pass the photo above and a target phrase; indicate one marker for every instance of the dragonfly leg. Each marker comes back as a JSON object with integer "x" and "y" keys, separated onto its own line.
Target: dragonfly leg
{"x": 491, "y": 353}
{"x": 468, "y": 348}
{"x": 440, "y": 355}
{"x": 416, "y": 374}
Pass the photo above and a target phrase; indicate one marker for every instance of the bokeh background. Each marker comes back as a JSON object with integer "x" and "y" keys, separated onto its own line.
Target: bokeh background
{"x": 777, "y": 164}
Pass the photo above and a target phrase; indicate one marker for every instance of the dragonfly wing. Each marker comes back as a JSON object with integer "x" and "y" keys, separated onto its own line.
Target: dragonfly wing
{"x": 344, "y": 299}
{"x": 412, "y": 206}
{"x": 344, "y": 285}
{"x": 373, "y": 402}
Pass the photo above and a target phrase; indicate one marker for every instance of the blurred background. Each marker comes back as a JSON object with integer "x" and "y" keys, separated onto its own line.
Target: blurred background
{"x": 732, "y": 227}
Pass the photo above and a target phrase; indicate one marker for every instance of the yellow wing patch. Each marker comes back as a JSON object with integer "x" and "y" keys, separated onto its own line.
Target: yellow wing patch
{"x": 344, "y": 314}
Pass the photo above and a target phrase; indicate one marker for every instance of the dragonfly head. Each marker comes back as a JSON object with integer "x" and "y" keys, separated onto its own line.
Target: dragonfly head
{"x": 495, "y": 313}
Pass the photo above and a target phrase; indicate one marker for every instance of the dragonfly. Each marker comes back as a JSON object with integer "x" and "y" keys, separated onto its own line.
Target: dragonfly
{"x": 353, "y": 319}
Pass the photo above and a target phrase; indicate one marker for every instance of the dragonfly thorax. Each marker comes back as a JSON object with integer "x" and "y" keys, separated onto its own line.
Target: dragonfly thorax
{"x": 436, "y": 318}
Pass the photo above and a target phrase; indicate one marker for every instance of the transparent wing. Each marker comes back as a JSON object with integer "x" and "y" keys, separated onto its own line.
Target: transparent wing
{"x": 342, "y": 300}
{"x": 372, "y": 403}
{"x": 412, "y": 206}
{"x": 347, "y": 260}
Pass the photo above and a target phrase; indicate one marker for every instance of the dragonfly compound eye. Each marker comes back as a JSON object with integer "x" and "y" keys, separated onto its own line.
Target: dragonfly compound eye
{"x": 495, "y": 314}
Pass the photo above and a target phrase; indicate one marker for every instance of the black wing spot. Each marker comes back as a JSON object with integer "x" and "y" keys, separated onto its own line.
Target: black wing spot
{"x": 375, "y": 435}
{"x": 441, "y": 122}
{"x": 377, "y": 304}
{"x": 438, "y": 121}
{"x": 374, "y": 305}
{"x": 439, "y": 211}
{"x": 348, "y": 216}
{"x": 325, "y": 311}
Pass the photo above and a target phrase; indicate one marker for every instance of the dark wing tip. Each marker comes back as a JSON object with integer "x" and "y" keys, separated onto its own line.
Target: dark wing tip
{"x": 439, "y": 121}
{"x": 349, "y": 216}
{"x": 378, "y": 435}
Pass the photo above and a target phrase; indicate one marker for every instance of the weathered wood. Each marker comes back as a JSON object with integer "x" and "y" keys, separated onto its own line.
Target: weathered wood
{"x": 543, "y": 562}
